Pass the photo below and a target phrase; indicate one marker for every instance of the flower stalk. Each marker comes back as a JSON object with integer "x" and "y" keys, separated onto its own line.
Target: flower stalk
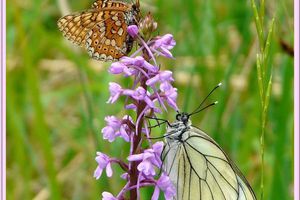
{"x": 152, "y": 89}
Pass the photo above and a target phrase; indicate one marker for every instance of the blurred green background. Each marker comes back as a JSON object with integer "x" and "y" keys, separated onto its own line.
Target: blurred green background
{"x": 56, "y": 95}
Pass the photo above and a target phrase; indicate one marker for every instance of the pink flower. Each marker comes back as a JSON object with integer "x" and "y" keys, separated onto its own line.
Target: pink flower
{"x": 133, "y": 30}
{"x": 147, "y": 168}
{"x": 158, "y": 148}
{"x": 108, "y": 196}
{"x": 156, "y": 151}
{"x": 140, "y": 94}
{"x": 115, "y": 91}
{"x": 125, "y": 176}
{"x": 164, "y": 44}
{"x": 116, "y": 128}
{"x": 117, "y": 68}
{"x": 103, "y": 163}
{"x": 139, "y": 62}
{"x": 150, "y": 158}
{"x": 113, "y": 122}
{"x": 150, "y": 87}
{"x": 164, "y": 76}
{"x": 164, "y": 183}
{"x": 109, "y": 133}
{"x": 130, "y": 107}
{"x": 165, "y": 41}
{"x": 170, "y": 94}
{"x": 131, "y": 66}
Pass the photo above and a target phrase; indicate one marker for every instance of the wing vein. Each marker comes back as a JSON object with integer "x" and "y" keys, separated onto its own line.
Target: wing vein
{"x": 190, "y": 161}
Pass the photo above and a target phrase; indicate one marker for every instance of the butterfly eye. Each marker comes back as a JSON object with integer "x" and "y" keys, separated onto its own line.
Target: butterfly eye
{"x": 185, "y": 117}
{"x": 178, "y": 117}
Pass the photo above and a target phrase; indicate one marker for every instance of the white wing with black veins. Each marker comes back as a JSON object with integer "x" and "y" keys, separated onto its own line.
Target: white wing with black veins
{"x": 200, "y": 170}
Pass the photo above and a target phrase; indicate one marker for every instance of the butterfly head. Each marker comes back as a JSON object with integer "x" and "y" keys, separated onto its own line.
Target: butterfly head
{"x": 183, "y": 117}
{"x": 136, "y": 7}
{"x": 135, "y": 10}
{"x": 176, "y": 130}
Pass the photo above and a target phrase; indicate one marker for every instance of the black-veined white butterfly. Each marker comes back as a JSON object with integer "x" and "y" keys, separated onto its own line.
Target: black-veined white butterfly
{"x": 198, "y": 167}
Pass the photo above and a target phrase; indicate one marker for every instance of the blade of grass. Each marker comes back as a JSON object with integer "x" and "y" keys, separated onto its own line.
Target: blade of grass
{"x": 262, "y": 11}
{"x": 268, "y": 42}
{"x": 259, "y": 27}
{"x": 268, "y": 94}
{"x": 259, "y": 77}
{"x": 264, "y": 81}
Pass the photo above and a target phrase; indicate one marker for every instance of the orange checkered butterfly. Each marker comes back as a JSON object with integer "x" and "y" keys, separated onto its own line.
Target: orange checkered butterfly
{"x": 102, "y": 30}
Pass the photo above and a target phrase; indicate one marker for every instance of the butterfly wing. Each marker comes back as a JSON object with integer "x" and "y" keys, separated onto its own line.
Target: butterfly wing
{"x": 102, "y": 30}
{"x": 200, "y": 169}
{"x": 108, "y": 4}
{"x": 99, "y": 3}
{"x": 76, "y": 26}
{"x": 108, "y": 40}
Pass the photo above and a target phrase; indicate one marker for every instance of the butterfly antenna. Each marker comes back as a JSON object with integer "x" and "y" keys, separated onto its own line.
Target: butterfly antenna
{"x": 197, "y": 109}
{"x": 160, "y": 137}
{"x": 209, "y": 105}
{"x": 159, "y": 119}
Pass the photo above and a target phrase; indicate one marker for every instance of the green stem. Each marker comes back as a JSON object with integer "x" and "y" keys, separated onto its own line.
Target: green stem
{"x": 262, "y": 148}
{"x": 264, "y": 80}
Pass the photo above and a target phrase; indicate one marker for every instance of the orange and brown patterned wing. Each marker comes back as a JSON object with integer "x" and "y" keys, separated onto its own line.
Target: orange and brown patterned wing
{"x": 75, "y": 26}
{"x": 109, "y": 4}
{"x": 108, "y": 40}
{"x": 99, "y": 3}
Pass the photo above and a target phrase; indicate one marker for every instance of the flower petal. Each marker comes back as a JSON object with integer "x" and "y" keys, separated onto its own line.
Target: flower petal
{"x": 98, "y": 172}
{"x": 135, "y": 157}
{"x": 109, "y": 171}
{"x": 155, "y": 194}
{"x": 147, "y": 168}
{"x": 117, "y": 68}
{"x": 108, "y": 196}
{"x": 115, "y": 91}
{"x": 133, "y": 30}
{"x": 109, "y": 133}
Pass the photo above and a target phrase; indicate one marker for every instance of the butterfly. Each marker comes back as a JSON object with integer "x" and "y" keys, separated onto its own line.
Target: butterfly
{"x": 102, "y": 30}
{"x": 197, "y": 166}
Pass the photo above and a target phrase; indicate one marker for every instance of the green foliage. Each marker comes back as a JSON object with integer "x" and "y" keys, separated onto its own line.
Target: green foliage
{"x": 56, "y": 96}
{"x": 264, "y": 79}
